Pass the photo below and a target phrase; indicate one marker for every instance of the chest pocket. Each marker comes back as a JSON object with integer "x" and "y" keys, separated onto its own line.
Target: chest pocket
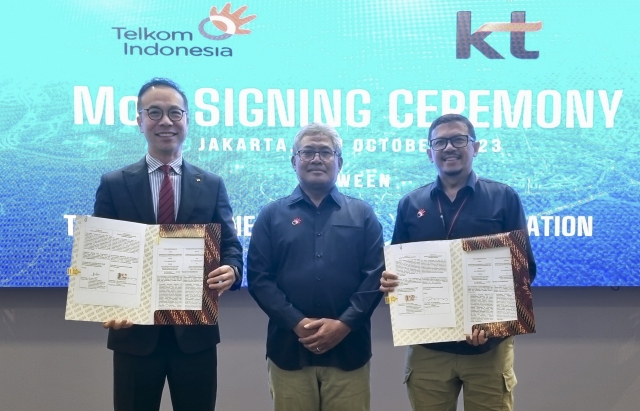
{"x": 472, "y": 225}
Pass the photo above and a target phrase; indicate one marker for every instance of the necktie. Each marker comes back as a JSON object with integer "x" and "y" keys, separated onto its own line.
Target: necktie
{"x": 166, "y": 213}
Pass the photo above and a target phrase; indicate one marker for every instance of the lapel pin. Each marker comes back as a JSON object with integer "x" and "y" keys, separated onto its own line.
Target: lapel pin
{"x": 197, "y": 179}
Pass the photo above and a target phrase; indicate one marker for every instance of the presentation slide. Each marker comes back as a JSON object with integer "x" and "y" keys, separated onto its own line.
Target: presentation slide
{"x": 551, "y": 87}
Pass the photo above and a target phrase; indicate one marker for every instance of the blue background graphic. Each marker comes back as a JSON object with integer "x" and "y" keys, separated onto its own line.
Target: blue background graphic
{"x": 51, "y": 165}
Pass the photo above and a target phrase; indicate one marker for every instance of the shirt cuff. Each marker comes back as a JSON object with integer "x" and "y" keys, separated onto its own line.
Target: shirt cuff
{"x": 236, "y": 272}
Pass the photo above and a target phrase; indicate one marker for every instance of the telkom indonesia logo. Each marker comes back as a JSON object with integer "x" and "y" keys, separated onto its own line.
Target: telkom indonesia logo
{"x": 517, "y": 28}
{"x": 225, "y": 21}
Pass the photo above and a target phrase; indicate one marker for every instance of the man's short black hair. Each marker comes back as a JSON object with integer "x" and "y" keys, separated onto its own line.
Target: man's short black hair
{"x": 163, "y": 82}
{"x": 453, "y": 118}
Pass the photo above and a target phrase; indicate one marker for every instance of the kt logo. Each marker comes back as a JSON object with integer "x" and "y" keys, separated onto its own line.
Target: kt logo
{"x": 517, "y": 28}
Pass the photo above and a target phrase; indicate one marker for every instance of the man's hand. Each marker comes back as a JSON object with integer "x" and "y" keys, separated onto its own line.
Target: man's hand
{"x": 478, "y": 337}
{"x": 300, "y": 329}
{"x": 117, "y": 324}
{"x": 388, "y": 282}
{"x": 328, "y": 334}
{"x": 221, "y": 279}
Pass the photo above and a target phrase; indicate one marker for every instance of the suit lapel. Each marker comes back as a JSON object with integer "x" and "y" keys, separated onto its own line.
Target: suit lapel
{"x": 190, "y": 191}
{"x": 136, "y": 179}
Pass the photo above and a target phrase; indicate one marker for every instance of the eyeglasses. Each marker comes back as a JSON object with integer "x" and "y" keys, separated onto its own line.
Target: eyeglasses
{"x": 440, "y": 144}
{"x": 325, "y": 155}
{"x": 154, "y": 113}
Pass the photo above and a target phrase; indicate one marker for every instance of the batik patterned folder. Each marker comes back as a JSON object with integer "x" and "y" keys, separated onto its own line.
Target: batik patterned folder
{"x": 142, "y": 314}
{"x": 209, "y": 313}
{"x": 516, "y": 241}
{"x": 525, "y": 324}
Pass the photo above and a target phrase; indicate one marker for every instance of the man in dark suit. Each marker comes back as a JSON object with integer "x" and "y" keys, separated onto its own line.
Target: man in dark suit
{"x": 143, "y": 356}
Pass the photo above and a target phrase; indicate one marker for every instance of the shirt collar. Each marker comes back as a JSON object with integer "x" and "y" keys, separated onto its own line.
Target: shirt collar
{"x": 153, "y": 164}
{"x": 299, "y": 195}
{"x": 471, "y": 183}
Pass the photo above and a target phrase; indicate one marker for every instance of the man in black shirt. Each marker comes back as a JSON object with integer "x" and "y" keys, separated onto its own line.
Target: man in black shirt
{"x": 459, "y": 204}
{"x": 314, "y": 267}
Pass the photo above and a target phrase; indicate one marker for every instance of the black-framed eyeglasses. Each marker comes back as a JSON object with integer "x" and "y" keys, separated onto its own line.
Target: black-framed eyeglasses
{"x": 155, "y": 113}
{"x": 325, "y": 155}
{"x": 440, "y": 144}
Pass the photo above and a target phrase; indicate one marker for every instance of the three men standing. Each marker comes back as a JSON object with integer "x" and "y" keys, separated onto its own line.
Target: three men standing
{"x": 314, "y": 267}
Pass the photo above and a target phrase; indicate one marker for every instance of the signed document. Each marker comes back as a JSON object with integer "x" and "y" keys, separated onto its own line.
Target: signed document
{"x": 110, "y": 262}
{"x": 149, "y": 274}
{"x": 425, "y": 296}
{"x": 488, "y": 287}
{"x": 448, "y": 288}
{"x": 177, "y": 274}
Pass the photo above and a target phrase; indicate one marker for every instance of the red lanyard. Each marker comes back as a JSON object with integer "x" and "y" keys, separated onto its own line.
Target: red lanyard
{"x": 455, "y": 218}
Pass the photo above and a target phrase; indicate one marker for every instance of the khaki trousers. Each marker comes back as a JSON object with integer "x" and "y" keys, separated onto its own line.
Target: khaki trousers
{"x": 319, "y": 388}
{"x": 434, "y": 379}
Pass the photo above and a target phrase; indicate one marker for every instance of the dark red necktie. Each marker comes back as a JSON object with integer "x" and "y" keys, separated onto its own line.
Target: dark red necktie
{"x": 165, "y": 201}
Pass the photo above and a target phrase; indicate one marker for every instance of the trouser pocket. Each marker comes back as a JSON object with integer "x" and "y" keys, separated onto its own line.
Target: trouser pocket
{"x": 407, "y": 374}
{"x": 510, "y": 380}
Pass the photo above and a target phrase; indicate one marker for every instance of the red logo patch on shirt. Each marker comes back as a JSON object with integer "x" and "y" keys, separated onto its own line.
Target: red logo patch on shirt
{"x": 421, "y": 212}
{"x": 296, "y": 221}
